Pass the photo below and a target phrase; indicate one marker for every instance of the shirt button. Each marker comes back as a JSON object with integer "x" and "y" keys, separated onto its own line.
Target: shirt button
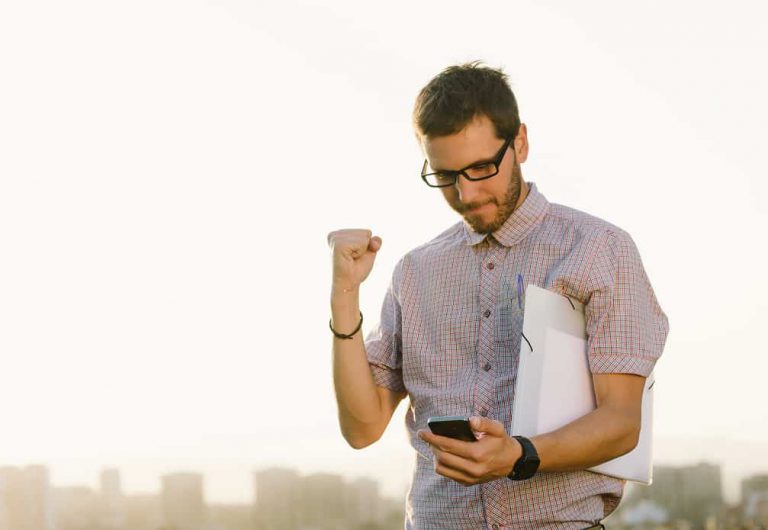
{"x": 483, "y": 412}
{"x": 495, "y": 526}
{"x": 487, "y": 366}
{"x": 491, "y": 266}
{"x": 487, "y": 313}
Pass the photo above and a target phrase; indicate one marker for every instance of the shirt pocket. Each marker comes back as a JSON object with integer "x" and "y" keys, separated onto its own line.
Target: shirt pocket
{"x": 509, "y": 332}
{"x": 509, "y": 317}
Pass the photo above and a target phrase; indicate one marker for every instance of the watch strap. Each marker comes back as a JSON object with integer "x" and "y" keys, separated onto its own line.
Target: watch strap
{"x": 528, "y": 463}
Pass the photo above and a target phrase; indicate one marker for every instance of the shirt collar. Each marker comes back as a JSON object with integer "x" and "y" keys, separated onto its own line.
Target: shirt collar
{"x": 518, "y": 224}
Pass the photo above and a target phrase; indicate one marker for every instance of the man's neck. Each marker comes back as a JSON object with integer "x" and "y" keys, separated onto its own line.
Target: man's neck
{"x": 523, "y": 193}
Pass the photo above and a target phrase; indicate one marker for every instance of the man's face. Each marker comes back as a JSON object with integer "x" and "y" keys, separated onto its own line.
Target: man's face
{"x": 484, "y": 204}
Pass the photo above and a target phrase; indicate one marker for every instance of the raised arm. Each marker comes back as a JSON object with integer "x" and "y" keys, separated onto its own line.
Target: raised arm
{"x": 364, "y": 408}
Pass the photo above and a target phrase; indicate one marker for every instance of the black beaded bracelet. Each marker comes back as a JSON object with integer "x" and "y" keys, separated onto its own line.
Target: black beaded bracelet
{"x": 342, "y": 335}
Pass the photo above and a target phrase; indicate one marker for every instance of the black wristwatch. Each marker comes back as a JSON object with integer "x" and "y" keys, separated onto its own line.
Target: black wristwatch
{"x": 528, "y": 463}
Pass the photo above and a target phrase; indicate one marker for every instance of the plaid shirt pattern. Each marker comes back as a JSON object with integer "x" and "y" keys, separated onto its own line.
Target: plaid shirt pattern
{"x": 450, "y": 333}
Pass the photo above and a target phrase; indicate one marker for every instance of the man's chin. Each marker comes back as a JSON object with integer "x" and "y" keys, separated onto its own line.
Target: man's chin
{"x": 478, "y": 221}
{"x": 478, "y": 225}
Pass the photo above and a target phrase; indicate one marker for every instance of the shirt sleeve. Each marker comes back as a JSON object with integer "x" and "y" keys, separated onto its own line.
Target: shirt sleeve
{"x": 383, "y": 345}
{"x": 626, "y": 328}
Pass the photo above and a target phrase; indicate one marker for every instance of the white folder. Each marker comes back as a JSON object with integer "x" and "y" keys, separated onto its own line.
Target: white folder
{"x": 554, "y": 383}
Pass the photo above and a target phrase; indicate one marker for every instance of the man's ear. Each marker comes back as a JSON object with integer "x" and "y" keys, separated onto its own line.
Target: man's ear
{"x": 521, "y": 143}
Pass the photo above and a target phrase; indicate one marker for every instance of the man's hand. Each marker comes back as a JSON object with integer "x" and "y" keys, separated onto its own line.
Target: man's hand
{"x": 491, "y": 457}
{"x": 354, "y": 252}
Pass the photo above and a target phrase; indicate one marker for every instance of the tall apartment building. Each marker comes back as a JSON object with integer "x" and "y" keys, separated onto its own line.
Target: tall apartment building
{"x": 183, "y": 501}
{"x": 278, "y": 497}
{"x": 112, "y": 501}
{"x": 26, "y": 499}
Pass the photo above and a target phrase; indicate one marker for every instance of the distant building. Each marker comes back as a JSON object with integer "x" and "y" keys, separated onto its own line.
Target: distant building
{"x": 364, "y": 503}
{"x": 81, "y": 508}
{"x": 323, "y": 503}
{"x": 278, "y": 497}
{"x": 732, "y": 517}
{"x": 686, "y": 493}
{"x": 112, "y": 516}
{"x": 76, "y": 508}
{"x": 230, "y": 517}
{"x": 26, "y": 501}
{"x": 286, "y": 500}
{"x": 143, "y": 512}
{"x": 182, "y": 501}
{"x": 754, "y": 496}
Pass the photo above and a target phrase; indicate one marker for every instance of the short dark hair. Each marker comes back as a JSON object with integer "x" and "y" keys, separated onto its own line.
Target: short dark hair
{"x": 458, "y": 94}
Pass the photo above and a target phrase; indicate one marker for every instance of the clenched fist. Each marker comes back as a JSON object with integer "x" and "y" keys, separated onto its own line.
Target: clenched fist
{"x": 353, "y": 251}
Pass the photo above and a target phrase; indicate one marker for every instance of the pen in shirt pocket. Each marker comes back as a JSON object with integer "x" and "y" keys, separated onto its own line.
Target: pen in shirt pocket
{"x": 520, "y": 288}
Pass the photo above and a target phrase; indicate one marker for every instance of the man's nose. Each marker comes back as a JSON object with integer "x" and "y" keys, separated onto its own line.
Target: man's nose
{"x": 468, "y": 190}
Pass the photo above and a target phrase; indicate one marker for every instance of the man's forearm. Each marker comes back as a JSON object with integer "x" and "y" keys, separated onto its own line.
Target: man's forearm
{"x": 601, "y": 435}
{"x": 360, "y": 411}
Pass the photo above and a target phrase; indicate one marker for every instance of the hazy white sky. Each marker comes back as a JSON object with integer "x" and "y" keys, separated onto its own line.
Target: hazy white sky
{"x": 169, "y": 171}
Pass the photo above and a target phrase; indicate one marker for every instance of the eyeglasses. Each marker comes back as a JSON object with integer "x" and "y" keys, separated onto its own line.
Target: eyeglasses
{"x": 477, "y": 171}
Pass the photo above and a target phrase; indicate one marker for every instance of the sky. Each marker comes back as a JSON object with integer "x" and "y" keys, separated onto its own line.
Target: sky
{"x": 169, "y": 172}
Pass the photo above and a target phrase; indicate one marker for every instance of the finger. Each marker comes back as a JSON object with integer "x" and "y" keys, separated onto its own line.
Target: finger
{"x": 487, "y": 425}
{"x": 361, "y": 243}
{"x": 443, "y": 443}
{"x": 354, "y": 246}
{"x": 460, "y": 465}
{"x": 355, "y": 237}
{"x": 451, "y": 445}
{"x": 455, "y": 474}
{"x": 374, "y": 244}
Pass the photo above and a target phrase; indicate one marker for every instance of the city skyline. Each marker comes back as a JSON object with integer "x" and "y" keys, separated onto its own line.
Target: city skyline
{"x": 230, "y": 484}
{"x": 282, "y": 498}
{"x": 110, "y": 480}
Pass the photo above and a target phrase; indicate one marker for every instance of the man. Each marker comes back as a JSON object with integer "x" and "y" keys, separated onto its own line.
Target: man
{"x": 450, "y": 328}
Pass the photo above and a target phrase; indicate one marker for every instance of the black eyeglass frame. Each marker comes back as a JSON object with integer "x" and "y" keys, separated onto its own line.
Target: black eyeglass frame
{"x": 463, "y": 171}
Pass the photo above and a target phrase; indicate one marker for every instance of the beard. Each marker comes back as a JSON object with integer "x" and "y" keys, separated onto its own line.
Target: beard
{"x": 503, "y": 211}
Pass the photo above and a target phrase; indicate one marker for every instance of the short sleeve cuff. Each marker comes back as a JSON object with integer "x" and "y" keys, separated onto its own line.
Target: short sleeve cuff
{"x": 386, "y": 377}
{"x": 621, "y": 364}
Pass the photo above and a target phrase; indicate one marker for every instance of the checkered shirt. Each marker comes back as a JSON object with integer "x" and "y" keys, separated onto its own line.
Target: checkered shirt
{"x": 450, "y": 334}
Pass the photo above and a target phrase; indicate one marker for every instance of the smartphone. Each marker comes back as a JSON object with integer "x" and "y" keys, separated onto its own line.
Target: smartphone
{"x": 452, "y": 427}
